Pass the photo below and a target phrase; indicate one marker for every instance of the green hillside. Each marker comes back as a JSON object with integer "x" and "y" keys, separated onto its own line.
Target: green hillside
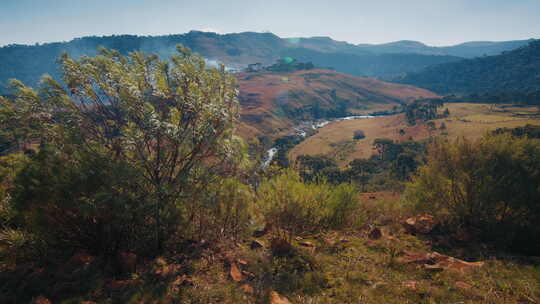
{"x": 514, "y": 71}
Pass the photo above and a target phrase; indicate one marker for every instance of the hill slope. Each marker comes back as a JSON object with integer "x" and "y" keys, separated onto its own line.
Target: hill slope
{"x": 514, "y": 71}
{"x": 274, "y": 102}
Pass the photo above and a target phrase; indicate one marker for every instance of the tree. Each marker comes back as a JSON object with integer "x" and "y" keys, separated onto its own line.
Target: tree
{"x": 359, "y": 134}
{"x": 360, "y": 170}
{"x": 385, "y": 148}
{"x": 173, "y": 119}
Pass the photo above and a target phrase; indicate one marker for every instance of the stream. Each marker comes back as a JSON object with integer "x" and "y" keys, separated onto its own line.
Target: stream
{"x": 301, "y": 130}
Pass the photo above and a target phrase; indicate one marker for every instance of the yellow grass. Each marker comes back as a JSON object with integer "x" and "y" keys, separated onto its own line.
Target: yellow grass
{"x": 466, "y": 119}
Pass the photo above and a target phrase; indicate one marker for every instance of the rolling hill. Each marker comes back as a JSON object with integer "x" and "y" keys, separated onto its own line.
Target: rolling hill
{"x": 514, "y": 71}
{"x": 272, "y": 103}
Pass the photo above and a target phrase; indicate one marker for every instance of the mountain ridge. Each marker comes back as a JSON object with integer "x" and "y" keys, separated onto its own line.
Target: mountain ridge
{"x": 28, "y": 62}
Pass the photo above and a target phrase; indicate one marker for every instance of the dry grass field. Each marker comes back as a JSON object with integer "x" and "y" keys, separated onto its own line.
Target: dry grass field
{"x": 466, "y": 119}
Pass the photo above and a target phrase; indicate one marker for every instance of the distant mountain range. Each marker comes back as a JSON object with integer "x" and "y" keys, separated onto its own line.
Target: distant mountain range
{"x": 28, "y": 62}
{"x": 465, "y": 50}
{"x": 516, "y": 71}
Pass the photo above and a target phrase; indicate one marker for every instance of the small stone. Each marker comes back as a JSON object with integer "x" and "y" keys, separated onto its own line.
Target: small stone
{"x": 462, "y": 285}
{"x": 235, "y": 273}
{"x": 306, "y": 244}
{"x": 275, "y": 298}
{"x": 242, "y": 262}
{"x": 410, "y": 285}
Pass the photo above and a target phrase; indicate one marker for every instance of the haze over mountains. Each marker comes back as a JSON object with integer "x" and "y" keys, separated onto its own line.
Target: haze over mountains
{"x": 236, "y": 51}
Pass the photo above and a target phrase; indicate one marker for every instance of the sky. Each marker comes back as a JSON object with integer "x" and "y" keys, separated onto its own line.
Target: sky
{"x": 434, "y": 22}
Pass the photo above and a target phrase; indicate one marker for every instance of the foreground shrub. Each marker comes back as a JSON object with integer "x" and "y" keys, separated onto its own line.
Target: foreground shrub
{"x": 294, "y": 207}
{"x": 170, "y": 120}
{"x": 222, "y": 210}
{"x": 489, "y": 187}
{"x": 85, "y": 202}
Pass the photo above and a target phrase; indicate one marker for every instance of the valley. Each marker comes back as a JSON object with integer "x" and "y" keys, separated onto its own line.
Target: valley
{"x": 469, "y": 120}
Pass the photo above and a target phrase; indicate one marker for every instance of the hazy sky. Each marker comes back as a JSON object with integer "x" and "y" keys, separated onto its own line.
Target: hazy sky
{"x": 435, "y": 22}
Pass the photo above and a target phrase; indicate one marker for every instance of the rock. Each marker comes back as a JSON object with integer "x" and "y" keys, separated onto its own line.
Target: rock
{"x": 413, "y": 285}
{"x": 242, "y": 262}
{"x": 235, "y": 273}
{"x": 375, "y": 233}
{"x": 419, "y": 224}
{"x": 255, "y": 244}
{"x": 247, "y": 289}
{"x": 437, "y": 261}
{"x": 127, "y": 262}
{"x": 462, "y": 285}
{"x": 42, "y": 300}
{"x": 275, "y": 298}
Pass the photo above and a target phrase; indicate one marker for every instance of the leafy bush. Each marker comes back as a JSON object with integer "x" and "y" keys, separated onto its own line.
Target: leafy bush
{"x": 133, "y": 136}
{"x": 294, "y": 207}
{"x": 221, "y": 210}
{"x": 489, "y": 187}
{"x": 84, "y": 202}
